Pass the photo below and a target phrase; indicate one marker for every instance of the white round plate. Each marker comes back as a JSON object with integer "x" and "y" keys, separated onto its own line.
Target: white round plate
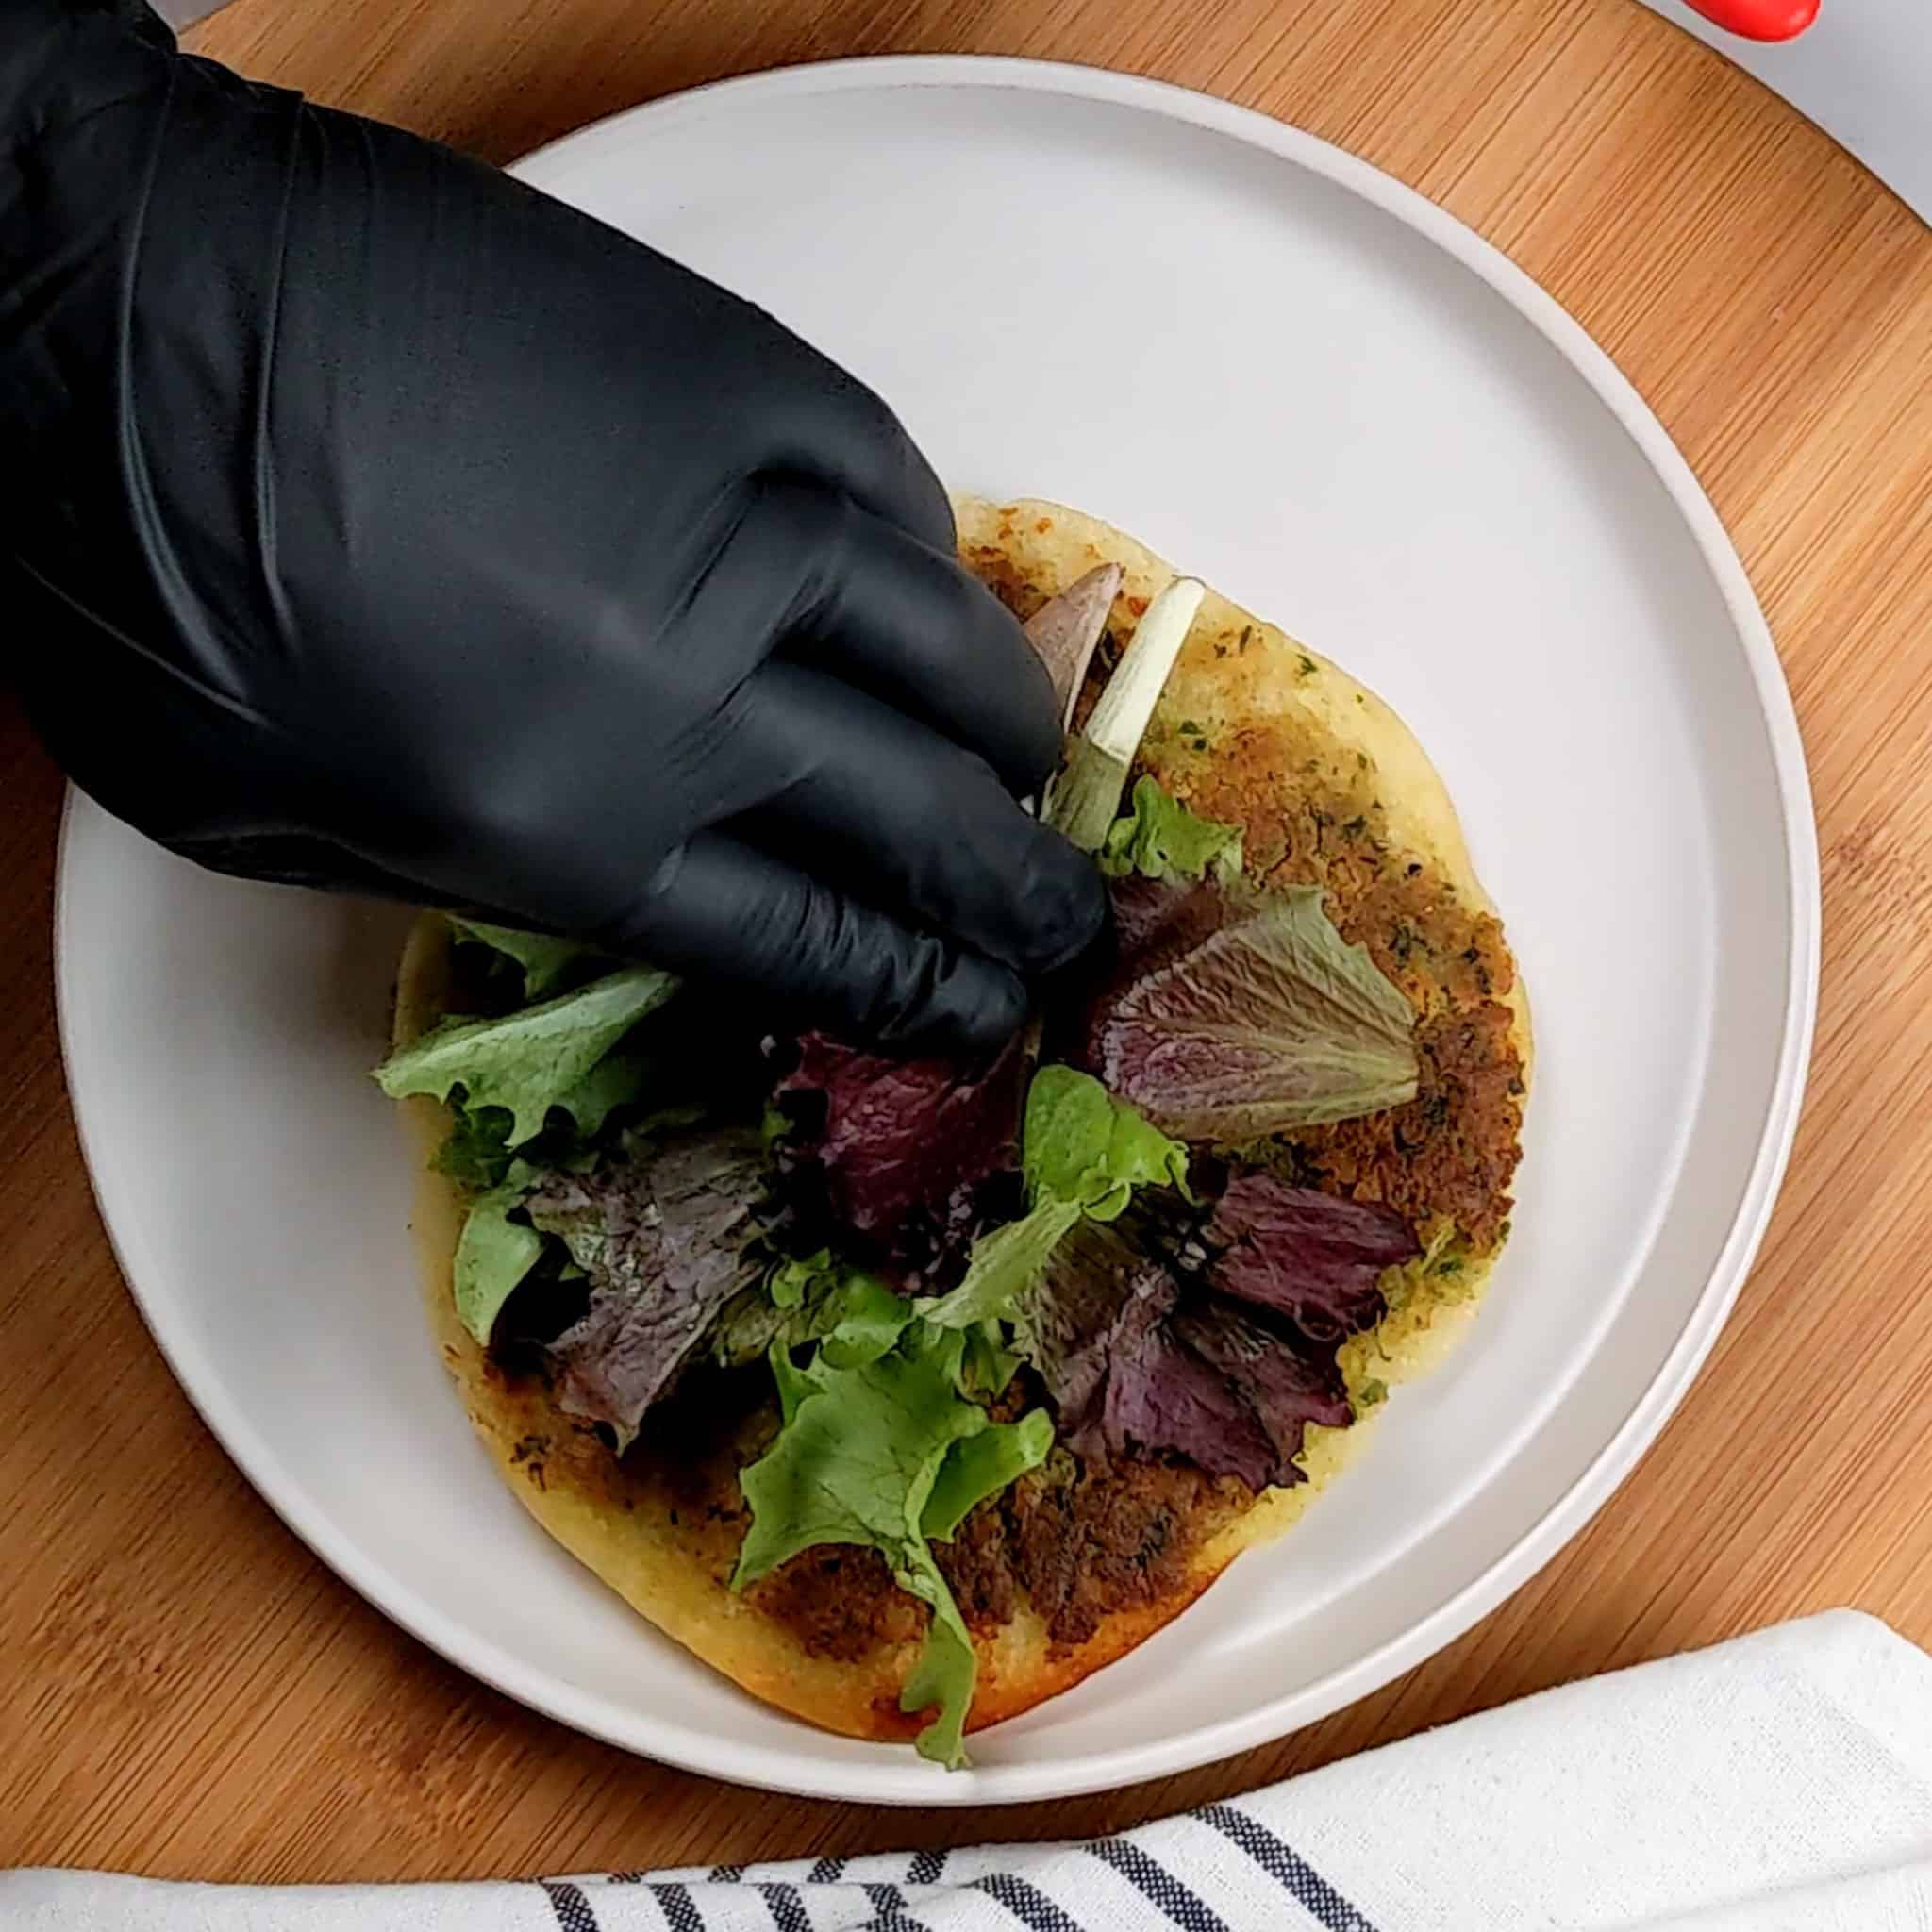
{"x": 1306, "y": 384}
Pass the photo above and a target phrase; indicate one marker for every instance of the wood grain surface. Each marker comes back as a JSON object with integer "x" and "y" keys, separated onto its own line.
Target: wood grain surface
{"x": 185, "y": 1691}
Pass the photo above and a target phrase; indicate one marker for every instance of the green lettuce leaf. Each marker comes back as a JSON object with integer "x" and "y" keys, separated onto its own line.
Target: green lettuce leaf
{"x": 1083, "y": 1152}
{"x": 849, "y": 1311}
{"x": 475, "y": 1154}
{"x": 1162, "y": 839}
{"x": 746, "y": 1328}
{"x": 945, "y": 1670}
{"x": 794, "y": 1385}
{"x": 1004, "y": 1265}
{"x": 545, "y": 961}
{"x": 983, "y": 1465}
{"x": 619, "y": 1079}
{"x": 530, "y": 1062}
{"x": 792, "y": 1283}
{"x": 870, "y": 1318}
{"x": 866, "y": 1455}
{"x": 1083, "y": 1145}
{"x": 494, "y": 1252}
{"x": 989, "y": 1364}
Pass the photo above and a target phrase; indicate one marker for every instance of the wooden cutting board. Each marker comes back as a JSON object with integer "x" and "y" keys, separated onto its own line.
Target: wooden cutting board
{"x": 185, "y": 1691}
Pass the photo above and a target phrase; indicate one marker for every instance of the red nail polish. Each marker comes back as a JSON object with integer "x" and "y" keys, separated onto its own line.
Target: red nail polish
{"x": 1759, "y": 20}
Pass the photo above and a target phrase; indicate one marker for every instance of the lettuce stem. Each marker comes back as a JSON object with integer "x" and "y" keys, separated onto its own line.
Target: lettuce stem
{"x": 1085, "y": 799}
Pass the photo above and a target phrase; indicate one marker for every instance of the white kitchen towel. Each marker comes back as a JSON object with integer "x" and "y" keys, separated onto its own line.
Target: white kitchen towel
{"x": 1777, "y": 1783}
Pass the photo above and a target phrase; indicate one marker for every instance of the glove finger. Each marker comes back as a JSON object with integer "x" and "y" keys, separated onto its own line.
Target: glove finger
{"x": 871, "y": 459}
{"x": 719, "y": 910}
{"x": 840, "y": 589}
{"x": 871, "y": 801}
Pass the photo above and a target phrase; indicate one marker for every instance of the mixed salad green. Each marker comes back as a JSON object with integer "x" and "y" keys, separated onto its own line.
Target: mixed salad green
{"x": 597, "y": 1151}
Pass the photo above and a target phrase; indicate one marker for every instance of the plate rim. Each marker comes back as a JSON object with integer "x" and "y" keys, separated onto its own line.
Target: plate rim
{"x": 772, "y": 1767}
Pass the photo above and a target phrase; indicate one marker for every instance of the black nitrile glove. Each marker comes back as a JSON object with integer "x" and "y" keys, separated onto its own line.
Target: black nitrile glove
{"x": 376, "y": 522}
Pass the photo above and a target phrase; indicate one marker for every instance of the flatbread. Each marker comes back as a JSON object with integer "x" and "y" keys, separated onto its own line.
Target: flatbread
{"x": 1255, "y": 728}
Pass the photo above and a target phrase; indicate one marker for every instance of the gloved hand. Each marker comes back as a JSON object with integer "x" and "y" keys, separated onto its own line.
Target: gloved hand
{"x": 376, "y": 522}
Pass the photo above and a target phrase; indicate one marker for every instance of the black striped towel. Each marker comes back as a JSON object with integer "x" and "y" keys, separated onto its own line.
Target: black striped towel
{"x": 1779, "y": 1783}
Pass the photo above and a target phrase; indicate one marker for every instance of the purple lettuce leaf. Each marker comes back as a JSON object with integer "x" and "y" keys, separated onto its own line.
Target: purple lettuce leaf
{"x": 1099, "y": 1297}
{"x": 1233, "y": 1014}
{"x": 1066, "y": 629}
{"x": 1312, "y": 1258}
{"x": 1141, "y": 1353}
{"x": 665, "y": 1237}
{"x": 1285, "y": 1383}
{"x": 905, "y": 1139}
{"x": 1162, "y": 1395}
{"x": 1157, "y": 919}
